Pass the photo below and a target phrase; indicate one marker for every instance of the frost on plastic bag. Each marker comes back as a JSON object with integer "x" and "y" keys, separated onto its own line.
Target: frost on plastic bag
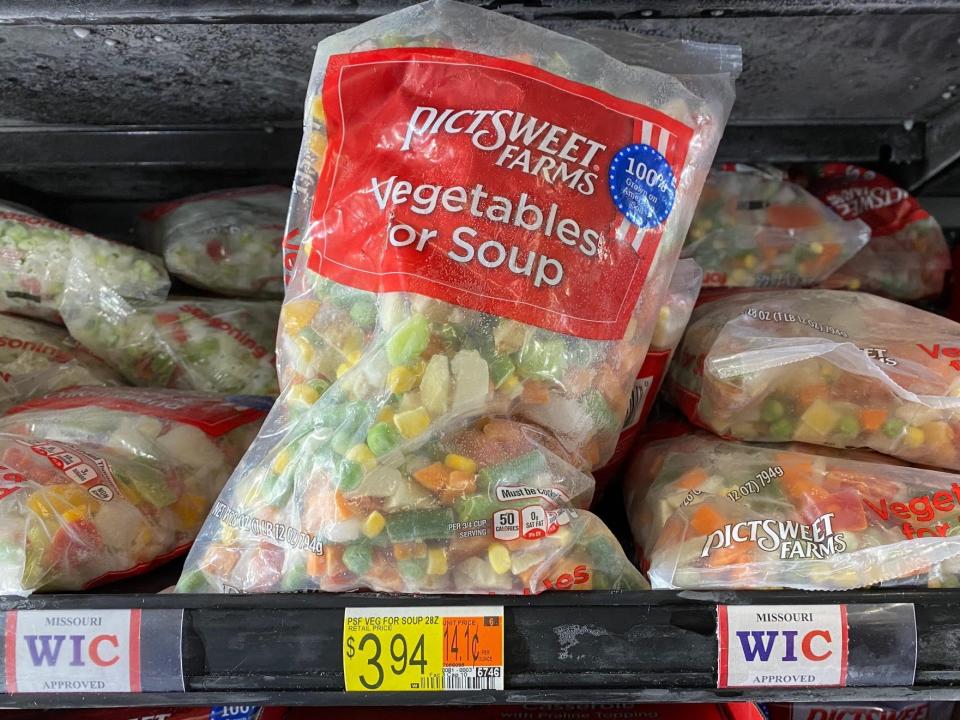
{"x": 753, "y": 228}
{"x": 37, "y": 358}
{"x": 35, "y": 255}
{"x": 714, "y": 514}
{"x": 907, "y": 257}
{"x": 671, "y": 321}
{"x": 229, "y": 241}
{"x": 207, "y": 344}
{"x": 101, "y": 483}
{"x": 826, "y": 367}
{"x": 478, "y": 302}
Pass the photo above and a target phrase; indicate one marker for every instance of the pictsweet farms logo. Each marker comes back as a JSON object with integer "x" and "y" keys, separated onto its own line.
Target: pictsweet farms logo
{"x": 788, "y": 538}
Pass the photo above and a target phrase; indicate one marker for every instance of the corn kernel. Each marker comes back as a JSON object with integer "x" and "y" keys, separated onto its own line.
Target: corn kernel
{"x": 281, "y": 461}
{"x": 436, "y": 561}
{"x": 854, "y": 284}
{"x": 914, "y": 437}
{"x": 343, "y": 369}
{"x": 304, "y": 393}
{"x": 373, "y": 525}
{"x": 499, "y": 558}
{"x": 664, "y": 314}
{"x": 353, "y": 357}
{"x": 459, "y": 462}
{"x": 401, "y": 379}
{"x": 74, "y": 515}
{"x": 750, "y": 262}
{"x": 386, "y": 415}
{"x": 412, "y": 422}
{"x": 816, "y": 247}
{"x": 363, "y": 455}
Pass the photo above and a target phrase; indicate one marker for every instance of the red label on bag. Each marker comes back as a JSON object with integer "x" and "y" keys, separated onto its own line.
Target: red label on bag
{"x": 493, "y": 185}
{"x": 214, "y": 416}
{"x": 856, "y": 193}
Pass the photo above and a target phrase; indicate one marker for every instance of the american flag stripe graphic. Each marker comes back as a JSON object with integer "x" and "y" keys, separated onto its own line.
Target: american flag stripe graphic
{"x": 666, "y": 143}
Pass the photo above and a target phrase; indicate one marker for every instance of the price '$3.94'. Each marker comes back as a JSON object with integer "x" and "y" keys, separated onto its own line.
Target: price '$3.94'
{"x": 423, "y": 649}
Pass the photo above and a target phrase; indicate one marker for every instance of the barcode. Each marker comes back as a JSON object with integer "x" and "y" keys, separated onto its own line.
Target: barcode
{"x": 638, "y": 396}
{"x": 470, "y": 678}
{"x": 430, "y": 682}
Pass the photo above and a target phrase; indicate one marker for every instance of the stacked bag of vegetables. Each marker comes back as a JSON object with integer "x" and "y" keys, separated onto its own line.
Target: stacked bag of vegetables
{"x": 754, "y": 228}
{"x": 37, "y": 358}
{"x": 36, "y": 257}
{"x": 712, "y": 513}
{"x": 907, "y": 257}
{"x": 101, "y": 483}
{"x": 827, "y": 367}
{"x": 228, "y": 241}
{"x": 480, "y": 287}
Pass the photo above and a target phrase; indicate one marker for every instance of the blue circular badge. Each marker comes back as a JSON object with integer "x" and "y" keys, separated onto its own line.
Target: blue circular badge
{"x": 642, "y": 185}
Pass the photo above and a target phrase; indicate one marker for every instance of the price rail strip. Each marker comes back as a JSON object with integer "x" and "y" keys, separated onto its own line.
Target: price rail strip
{"x": 561, "y": 647}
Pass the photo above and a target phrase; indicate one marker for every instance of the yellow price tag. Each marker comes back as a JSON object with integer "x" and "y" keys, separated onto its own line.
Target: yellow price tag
{"x": 423, "y": 649}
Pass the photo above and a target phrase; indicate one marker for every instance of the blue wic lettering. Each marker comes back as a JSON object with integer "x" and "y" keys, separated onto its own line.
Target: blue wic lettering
{"x": 752, "y": 650}
{"x": 46, "y": 655}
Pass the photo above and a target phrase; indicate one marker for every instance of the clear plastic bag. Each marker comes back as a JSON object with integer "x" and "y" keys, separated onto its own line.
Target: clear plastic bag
{"x": 473, "y": 382}
{"x": 753, "y": 228}
{"x": 37, "y": 358}
{"x": 206, "y": 344}
{"x": 907, "y": 257}
{"x": 671, "y": 322}
{"x": 826, "y": 367}
{"x": 102, "y": 483}
{"x": 35, "y": 256}
{"x": 715, "y": 514}
{"x": 228, "y": 241}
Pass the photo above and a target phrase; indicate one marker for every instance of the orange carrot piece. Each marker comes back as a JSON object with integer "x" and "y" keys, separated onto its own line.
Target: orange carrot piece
{"x": 535, "y": 393}
{"x": 809, "y": 393}
{"x": 317, "y": 564}
{"x": 692, "y": 479}
{"x": 873, "y": 418}
{"x": 706, "y": 519}
{"x": 433, "y": 477}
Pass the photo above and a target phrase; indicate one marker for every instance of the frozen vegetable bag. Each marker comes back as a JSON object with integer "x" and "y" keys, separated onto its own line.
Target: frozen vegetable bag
{"x": 907, "y": 257}
{"x": 490, "y": 215}
{"x": 828, "y": 367}
{"x": 101, "y": 483}
{"x": 228, "y": 241}
{"x": 35, "y": 256}
{"x": 753, "y": 228}
{"x": 37, "y": 358}
{"x": 208, "y": 344}
{"x": 712, "y": 513}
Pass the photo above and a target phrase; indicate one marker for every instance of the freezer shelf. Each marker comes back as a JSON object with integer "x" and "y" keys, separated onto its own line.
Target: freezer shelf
{"x": 596, "y": 647}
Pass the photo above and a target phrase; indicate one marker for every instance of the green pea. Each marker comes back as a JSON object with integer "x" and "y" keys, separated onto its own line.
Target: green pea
{"x": 772, "y": 410}
{"x": 358, "y": 557}
{"x": 408, "y": 341}
{"x": 893, "y": 427}
{"x": 782, "y": 429}
{"x": 382, "y": 438}
{"x": 351, "y": 475}
{"x": 318, "y": 385}
{"x": 849, "y": 426}
{"x": 364, "y": 313}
